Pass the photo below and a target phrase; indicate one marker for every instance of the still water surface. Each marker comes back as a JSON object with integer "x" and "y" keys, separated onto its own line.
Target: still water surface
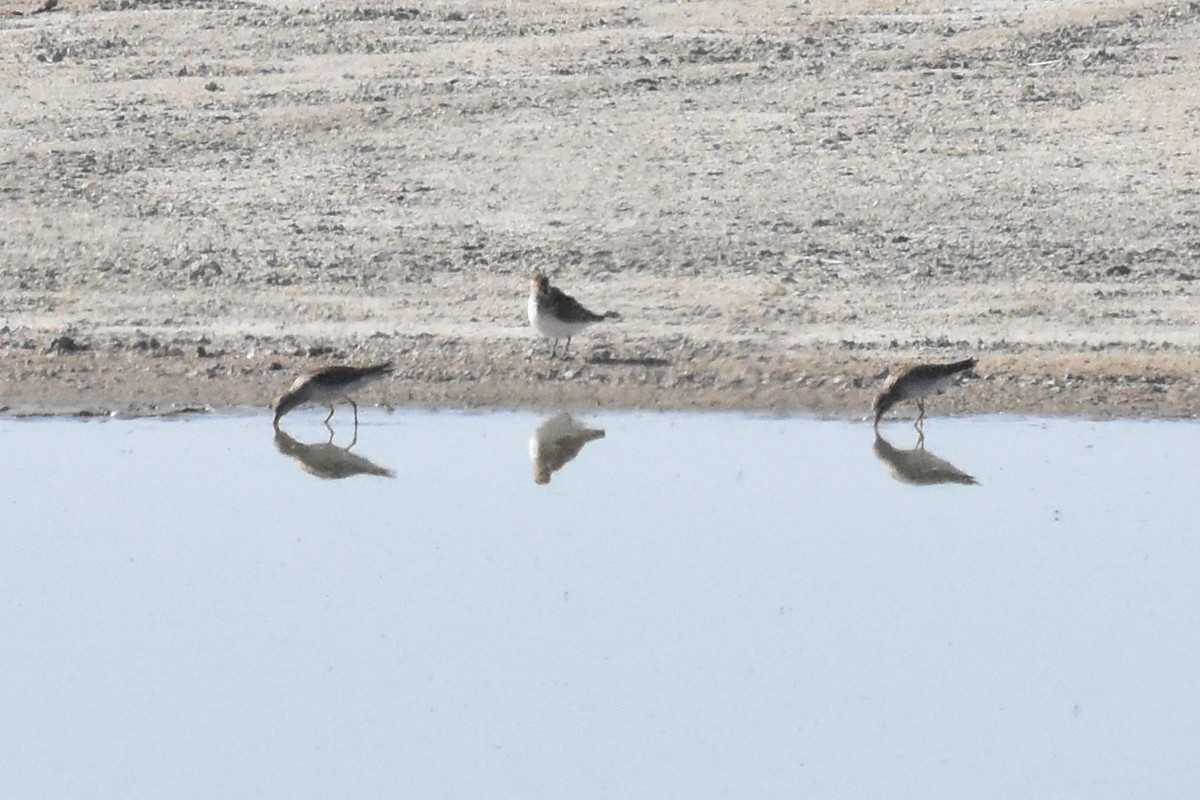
{"x": 692, "y": 606}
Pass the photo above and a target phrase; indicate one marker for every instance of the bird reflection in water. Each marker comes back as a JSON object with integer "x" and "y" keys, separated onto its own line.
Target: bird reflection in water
{"x": 556, "y": 441}
{"x": 918, "y": 466}
{"x": 327, "y": 460}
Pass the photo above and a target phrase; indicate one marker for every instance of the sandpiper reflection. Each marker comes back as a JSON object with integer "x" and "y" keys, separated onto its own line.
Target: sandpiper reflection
{"x": 327, "y": 460}
{"x": 555, "y": 442}
{"x": 918, "y": 466}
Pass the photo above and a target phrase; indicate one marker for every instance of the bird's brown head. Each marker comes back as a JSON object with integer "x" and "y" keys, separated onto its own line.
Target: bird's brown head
{"x": 283, "y": 404}
{"x": 883, "y": 401}
{"x": 539, "y": 283}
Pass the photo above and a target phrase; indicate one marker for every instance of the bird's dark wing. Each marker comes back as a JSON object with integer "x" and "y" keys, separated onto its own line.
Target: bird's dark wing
{"x": 568, "y": 309}
{"x": 339, "y": 375}
{"x": 936, "y": 371}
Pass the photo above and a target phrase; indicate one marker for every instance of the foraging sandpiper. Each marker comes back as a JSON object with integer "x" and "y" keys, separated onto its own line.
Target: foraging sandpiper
{"x": 327, "y": 386}
{"x": 557, "y": 315}
{"x": 916, "y": 382}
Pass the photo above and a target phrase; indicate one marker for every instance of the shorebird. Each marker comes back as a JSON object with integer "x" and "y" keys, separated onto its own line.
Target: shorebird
{"x": 557, "y": 315}
{"x": 556, "y": 441}
{"x": 327, "y": 386}
{"x": 916, "y": 382}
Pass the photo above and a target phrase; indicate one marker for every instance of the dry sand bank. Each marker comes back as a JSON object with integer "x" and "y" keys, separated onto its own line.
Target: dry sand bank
{"x": 781, "y": 199}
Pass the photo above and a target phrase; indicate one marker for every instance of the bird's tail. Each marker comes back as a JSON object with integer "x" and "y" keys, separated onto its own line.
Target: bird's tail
{"x": 961, "y": 366}
{"x": 611, "y": 315}
{"x": 385, "y": 368}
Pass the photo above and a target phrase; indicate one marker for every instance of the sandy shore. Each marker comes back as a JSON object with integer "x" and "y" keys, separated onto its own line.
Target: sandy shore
{"x": 781, "y": 200}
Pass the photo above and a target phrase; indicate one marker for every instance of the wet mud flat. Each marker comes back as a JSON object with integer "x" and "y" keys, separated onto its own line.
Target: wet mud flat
{"x": 199, "y": 201}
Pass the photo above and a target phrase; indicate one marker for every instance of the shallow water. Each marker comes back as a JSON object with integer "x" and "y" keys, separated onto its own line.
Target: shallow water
{"x": 692, "y": 606}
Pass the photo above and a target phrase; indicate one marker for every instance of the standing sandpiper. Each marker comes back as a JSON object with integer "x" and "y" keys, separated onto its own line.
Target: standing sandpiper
{"x": 916, "y": 382}
{"x": 556, "y": 315}
{"x": 328, "y": 385}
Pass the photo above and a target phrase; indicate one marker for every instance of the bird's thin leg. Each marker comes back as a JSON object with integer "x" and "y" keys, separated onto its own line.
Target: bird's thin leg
{"x": 921, "y": 406}
{"x": 330, "y": 415}
{"x": 354, "y": 405}
{"x": 921, "y": 438}
{"x": 553, "y": 348}
{"x": 353, "y": 440}
{"x": 568, "y": 347}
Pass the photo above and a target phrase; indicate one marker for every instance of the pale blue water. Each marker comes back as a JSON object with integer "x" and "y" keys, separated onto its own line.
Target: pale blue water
{"x": 695, "y": 606}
